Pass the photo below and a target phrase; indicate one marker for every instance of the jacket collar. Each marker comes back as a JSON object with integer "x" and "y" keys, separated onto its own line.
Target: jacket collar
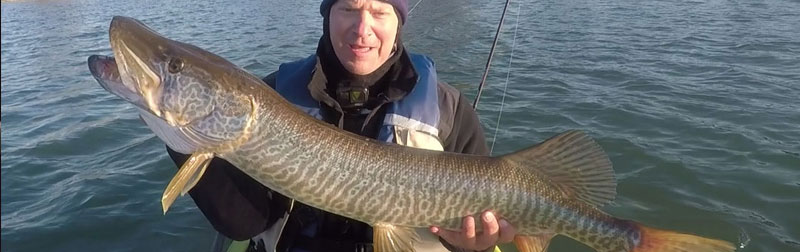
{"x": 400, "y": 82}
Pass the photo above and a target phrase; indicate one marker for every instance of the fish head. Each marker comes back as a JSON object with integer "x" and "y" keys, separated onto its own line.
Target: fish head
{"x": 177, "y": 86}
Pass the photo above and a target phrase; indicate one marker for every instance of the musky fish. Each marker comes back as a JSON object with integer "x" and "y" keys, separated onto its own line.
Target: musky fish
{"x": 200, "y": 103}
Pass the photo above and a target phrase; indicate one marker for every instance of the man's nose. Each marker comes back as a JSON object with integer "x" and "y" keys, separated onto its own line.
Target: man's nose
{"x": 364, "y": 25}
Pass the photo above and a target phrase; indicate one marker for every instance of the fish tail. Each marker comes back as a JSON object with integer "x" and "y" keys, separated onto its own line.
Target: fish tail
{"x": 656, "y": 240}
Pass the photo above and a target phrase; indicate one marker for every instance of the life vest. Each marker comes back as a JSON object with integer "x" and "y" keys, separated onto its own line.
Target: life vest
{"x": 411, "y": 121}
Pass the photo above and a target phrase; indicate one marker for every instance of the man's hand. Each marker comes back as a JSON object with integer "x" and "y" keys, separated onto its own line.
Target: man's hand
{"x": 494, "y": 232}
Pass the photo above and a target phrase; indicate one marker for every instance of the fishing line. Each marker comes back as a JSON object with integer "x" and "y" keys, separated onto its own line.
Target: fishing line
{"x": 489, "y": 61}
{"x": 508, "y": 75}
{"x": 415, "y": 6}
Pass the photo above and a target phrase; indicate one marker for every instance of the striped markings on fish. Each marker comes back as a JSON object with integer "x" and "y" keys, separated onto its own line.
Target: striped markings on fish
{"x": 198, "y": 102}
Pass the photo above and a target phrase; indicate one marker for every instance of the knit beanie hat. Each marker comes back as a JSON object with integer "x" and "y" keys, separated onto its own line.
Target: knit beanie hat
{"x": 401, "y": 6}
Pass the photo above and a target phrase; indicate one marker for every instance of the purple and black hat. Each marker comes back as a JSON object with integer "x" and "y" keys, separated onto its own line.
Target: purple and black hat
{"x": 401, "y": 6}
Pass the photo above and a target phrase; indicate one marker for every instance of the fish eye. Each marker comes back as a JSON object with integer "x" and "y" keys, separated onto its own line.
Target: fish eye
{"x": 175, "y": 65}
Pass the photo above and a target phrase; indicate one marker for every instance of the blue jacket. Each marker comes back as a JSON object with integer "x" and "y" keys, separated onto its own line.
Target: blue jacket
{"x": 408, "y": 121}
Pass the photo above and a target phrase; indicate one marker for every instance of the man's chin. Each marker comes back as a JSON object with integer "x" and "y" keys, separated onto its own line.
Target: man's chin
{"x": 360, "y": 68}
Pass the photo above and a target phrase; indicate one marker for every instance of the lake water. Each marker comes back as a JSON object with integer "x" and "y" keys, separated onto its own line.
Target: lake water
{"x": 696, "y": 102}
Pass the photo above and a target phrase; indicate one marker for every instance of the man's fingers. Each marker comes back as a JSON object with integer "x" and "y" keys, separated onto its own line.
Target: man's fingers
{"x": 468, "y": 227}
{"x": 490, "y": 233}
{"x": 490, "y": 225}
{"x": 456, "y": 238}
{"x": 447, "y": 235}
{"x": 507, "y": 232}
{"x": 494, "y": 231}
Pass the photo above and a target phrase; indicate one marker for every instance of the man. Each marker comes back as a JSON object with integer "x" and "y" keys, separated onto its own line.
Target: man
{"x": 362, "y": 80}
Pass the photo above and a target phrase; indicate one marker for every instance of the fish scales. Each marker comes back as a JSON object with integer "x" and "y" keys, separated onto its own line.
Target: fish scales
{"x": 200, "y": 103}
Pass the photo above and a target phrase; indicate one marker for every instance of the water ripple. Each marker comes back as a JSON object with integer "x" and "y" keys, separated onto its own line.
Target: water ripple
{"x": 694, "y": 101}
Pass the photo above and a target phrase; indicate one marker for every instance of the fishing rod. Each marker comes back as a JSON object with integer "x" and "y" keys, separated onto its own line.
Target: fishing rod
{"x": 491, "y": 54}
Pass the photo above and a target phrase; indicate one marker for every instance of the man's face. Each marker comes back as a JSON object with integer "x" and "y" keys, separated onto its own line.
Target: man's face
{"x": 363, "y": 33}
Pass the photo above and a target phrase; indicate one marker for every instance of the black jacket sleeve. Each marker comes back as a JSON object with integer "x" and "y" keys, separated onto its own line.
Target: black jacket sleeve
{"x": 466, "y": 135}
{"x": 235, "y": 204}
{"x": 459, "y": 127}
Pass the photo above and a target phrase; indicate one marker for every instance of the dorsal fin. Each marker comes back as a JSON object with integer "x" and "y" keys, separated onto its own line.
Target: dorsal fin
{"x": 575, "y": 165}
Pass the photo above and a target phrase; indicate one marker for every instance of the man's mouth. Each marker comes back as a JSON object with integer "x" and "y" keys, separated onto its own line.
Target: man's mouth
{"x": 359, "y": 49}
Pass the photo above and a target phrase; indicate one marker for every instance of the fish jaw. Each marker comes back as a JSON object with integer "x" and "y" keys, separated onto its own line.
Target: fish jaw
{"x": 140, "y": 65}
{"x": 199, "y": 104}
{"x": 104, "y": 70}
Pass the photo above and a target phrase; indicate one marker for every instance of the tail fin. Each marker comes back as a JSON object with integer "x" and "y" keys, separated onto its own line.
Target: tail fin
{"x": 655, "y": 240}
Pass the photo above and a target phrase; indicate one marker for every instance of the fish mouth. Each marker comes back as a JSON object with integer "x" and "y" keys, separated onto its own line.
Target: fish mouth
{"x": 105, "y": 70}
{"x": 139, "y": 61}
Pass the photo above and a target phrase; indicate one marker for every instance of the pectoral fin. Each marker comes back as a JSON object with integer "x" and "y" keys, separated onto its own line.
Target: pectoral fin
{"x": 391, "y": 238}
{"x": 187, "y": 177}
{"x": 533, "y": 243}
